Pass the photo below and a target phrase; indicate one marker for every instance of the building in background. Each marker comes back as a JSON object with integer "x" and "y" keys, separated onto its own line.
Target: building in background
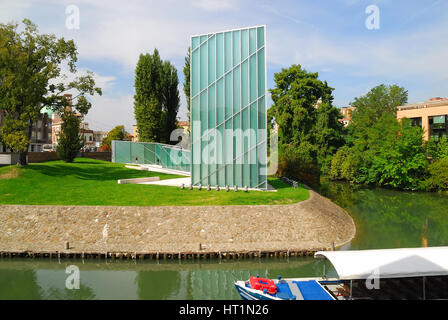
{"x": 431, "y": 115}
{"x": 88, "y": 135}
{"x": 134, "y": 133}
{"x": 41, "y": 134}
{"x": 184, "y": 125}
{"x": 347, "y": 114}
{"x": 228, "y": 108}
{"x": 98, "y": 137}
{"x": 56, "y": 128}
{"x": 46, "y": 130}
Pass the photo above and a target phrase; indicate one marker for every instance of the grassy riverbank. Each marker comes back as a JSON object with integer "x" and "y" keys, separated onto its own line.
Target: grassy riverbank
{"x": 94, "y": 182}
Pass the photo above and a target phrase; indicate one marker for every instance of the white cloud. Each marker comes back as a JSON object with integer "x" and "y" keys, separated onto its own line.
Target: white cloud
{"x": 10, "y": 9}
{"x": 120, "y": 31}
{"x": 108, "y": 112}
{"x": 421, "y": 53}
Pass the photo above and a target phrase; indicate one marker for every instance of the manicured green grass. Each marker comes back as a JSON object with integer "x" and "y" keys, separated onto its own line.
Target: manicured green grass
{"x": 94, "y": 182}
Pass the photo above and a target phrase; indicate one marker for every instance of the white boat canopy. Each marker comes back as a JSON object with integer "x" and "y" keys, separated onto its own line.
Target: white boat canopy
{"x": 388, "y": 263}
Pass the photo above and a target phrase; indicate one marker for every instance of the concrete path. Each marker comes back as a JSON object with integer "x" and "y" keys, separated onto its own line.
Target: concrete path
{"x": 171, "y": 182}
{"x": 156, "y": 168}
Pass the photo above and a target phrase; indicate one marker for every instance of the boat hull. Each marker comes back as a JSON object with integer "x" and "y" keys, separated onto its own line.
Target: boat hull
{"x": 291, "y": 289}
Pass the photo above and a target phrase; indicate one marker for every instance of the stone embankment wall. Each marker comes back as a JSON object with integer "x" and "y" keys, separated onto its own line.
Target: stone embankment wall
{"x": 177, "y": 232}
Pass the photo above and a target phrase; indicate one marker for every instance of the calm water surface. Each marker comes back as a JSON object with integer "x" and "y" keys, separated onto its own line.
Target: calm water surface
{"x": 384, "y": 219}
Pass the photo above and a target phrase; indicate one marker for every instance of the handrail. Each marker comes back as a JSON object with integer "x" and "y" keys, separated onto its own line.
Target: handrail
{"x": 157, "y": 156}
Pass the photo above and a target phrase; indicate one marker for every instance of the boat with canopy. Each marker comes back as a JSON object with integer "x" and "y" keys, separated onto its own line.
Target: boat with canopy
{"x": 404, "y": 273}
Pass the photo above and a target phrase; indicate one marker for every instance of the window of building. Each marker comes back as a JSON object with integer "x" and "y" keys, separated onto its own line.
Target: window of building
{"x": 417, "y": 122}
{"x": 438, "y": 127}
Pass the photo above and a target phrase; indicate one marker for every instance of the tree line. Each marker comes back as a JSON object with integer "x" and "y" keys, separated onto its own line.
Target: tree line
{"x": 374, "y": 149}
{"x": 156, "y": 99}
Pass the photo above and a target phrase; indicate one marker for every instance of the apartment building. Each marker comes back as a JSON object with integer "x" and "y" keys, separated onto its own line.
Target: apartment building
{"x": 431, "y": 115}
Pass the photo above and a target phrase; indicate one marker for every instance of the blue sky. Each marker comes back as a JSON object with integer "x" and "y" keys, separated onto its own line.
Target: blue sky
{"x": 330, "y": 37}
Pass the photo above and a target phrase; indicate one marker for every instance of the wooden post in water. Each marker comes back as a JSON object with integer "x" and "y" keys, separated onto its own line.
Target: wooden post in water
{"x": 424, "y": 288}
{"x": 351, "y": 289}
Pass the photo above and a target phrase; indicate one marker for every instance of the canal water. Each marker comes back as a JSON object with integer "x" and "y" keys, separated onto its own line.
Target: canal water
{"x": 384, "y": 219}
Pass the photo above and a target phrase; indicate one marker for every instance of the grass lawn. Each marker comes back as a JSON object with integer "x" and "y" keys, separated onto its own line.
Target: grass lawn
{"x": 94, "y": 182}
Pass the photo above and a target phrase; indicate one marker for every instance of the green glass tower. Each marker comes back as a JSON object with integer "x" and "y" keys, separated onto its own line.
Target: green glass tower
{"x": 228, "y": 108}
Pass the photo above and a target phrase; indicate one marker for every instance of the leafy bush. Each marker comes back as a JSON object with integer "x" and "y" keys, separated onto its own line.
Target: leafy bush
{"x": 437, "y": 149}
{"x": 400, "y": 161}
{"x": 117, "y": 133}
{"x": 438, "y": 176}
{"x": 389, "y": 153}
{"x": 345, "y": 165}
{"x": 299, "y": 163}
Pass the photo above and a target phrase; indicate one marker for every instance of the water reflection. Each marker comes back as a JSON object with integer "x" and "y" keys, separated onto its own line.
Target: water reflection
{"x": 392, "y": 219}
{"x": 43, "y": 279}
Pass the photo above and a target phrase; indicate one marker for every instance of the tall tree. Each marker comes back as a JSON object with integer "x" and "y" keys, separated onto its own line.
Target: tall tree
{"x": 30, "y": 68}
{"x": 148, "y": 97}
{"x": 171, "y": 99}
{"x": 327, "y": 134}
{"x": 296, "y": 97}
{"x": 381, "y": 100}
{"x": 70, "y": 142}
{"x": 308, "y": 126}
{"x": 156, "y": 99}
{"x": 187, "y": 79}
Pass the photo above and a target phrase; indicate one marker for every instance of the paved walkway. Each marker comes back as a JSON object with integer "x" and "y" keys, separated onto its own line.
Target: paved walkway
{"x": 312, "y": 224}
{"x": 177, "y": 182}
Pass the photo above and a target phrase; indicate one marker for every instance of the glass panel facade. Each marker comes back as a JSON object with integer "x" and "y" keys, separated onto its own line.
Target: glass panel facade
{"x": 228, "y": 78}
{"x": 167, "y": 156}
{"x": 438, "y": 127}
